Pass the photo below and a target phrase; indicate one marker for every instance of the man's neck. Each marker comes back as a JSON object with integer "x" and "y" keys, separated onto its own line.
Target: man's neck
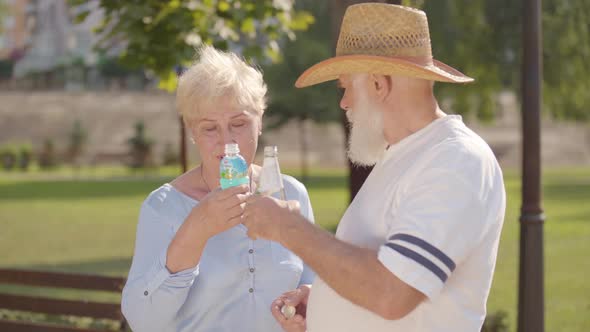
{"x": 409, "y": 116}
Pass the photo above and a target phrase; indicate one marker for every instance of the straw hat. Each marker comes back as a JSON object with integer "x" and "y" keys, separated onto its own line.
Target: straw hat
{"x": 383, "y": 39}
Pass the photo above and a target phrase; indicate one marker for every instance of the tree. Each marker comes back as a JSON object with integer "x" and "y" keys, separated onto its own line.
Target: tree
{"x": 161, "y": 35}
{"x": 483, "y": 39}
{"x": 566, "y": 72}
{"x": 318, "y": 104}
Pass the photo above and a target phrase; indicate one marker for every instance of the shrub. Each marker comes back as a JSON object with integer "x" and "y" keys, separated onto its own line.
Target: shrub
{"x": 140, "y": 147}
{"x": 47, "y": 156}
{"x": 496, "y": 322}
{"x": 25, "y": 154}
{"x": 8, "y": 157}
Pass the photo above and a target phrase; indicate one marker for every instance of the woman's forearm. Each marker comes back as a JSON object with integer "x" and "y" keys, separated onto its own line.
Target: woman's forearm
{"x": 185, "y": 250}
{"x": 153, "y": 295}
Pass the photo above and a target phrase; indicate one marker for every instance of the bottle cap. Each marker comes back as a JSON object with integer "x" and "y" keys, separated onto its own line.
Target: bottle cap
{"x": 232, "y": 148}
{"x": 288, "y": 311}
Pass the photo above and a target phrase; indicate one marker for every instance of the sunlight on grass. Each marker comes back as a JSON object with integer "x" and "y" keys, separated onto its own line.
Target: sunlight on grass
{"x": 85, "y": 220}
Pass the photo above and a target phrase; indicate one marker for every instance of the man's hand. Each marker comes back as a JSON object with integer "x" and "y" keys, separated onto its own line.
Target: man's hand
{"x": 264, "y": 216}
{"x": 298, "y": 299}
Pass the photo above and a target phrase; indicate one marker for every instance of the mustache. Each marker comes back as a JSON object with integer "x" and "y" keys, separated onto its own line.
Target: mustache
{"x": 349, "y": 119}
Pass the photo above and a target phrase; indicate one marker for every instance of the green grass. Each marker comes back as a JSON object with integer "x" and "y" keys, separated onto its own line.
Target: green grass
{"x": 81, "y": 223}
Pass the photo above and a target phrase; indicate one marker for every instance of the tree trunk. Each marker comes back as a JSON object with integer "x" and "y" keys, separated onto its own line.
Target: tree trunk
{"x": 182, "y": 145}
{"x": 357, "y": 175}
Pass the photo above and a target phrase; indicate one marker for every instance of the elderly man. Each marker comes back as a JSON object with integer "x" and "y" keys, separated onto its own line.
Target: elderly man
{"x": 416, "y": 249}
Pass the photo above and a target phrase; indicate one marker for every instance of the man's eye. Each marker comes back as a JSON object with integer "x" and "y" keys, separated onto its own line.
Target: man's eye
{"x": 209, "y": 129}
{"x": 238, "y": 124}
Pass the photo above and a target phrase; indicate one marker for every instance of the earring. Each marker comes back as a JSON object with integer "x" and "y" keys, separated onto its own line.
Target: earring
{"x": 192, "y": 140}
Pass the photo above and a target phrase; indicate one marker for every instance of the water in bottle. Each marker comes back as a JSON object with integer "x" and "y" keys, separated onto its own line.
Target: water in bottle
{"x": 233, "y": 169}
{"x": 271, "y": 181}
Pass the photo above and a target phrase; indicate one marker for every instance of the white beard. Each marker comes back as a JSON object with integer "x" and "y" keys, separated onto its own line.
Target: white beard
{"x": 366, "y": 144}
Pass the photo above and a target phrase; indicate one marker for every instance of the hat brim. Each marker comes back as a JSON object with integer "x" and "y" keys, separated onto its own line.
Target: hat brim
{"x": 332, "y": 68}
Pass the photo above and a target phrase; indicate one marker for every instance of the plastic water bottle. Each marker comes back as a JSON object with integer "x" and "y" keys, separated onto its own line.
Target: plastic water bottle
{"x": 233, "y": 169}
{"x": 271, "y": 181}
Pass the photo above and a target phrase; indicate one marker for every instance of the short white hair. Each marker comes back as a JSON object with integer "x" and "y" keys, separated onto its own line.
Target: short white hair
{"x": 217, "y": 74}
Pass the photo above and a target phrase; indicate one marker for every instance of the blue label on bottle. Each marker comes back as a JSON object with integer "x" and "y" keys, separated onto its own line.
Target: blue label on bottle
{"x": 233, "y": 171}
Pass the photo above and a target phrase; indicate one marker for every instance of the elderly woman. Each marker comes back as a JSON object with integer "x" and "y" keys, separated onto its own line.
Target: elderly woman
{"x": 194, "y": 267}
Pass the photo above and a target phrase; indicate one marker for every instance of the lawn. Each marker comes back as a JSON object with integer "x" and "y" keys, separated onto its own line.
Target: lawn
{"x": 87, "y": 224}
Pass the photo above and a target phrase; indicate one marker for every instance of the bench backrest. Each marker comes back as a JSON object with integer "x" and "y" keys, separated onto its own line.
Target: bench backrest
{"x": 51, "y": 306}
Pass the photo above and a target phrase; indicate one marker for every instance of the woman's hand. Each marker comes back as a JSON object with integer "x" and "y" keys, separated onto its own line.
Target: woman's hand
{"x": 220, "y": 210}
{"x": 298, "y": 299}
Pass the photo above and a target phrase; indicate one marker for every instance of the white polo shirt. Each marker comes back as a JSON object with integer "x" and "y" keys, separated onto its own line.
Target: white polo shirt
{"x": 433, "y": 208}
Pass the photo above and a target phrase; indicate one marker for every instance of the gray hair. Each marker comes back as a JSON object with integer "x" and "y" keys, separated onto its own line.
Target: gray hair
{"x": 217, "y": 74}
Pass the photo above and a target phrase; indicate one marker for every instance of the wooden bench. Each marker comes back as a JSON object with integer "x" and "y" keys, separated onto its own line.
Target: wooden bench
{"x": 52, "y": 306}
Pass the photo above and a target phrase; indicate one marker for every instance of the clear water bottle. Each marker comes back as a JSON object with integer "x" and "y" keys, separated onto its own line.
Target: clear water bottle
{"x": 233, "y": 169}
{"x": 271, "y": 181}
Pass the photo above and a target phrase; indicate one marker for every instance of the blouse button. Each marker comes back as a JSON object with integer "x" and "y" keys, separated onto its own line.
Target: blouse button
{"x": 251, "y": 290}
{"x": 252, "y": 270}
{"x": 251, "y": 251}
{"x": 145, "y": 293}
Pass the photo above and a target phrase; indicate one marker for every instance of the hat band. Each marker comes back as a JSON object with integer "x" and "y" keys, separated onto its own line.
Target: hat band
{"x": 419, "y": 60}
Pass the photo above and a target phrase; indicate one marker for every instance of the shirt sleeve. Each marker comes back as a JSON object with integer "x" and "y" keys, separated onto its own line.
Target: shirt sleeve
{"x": 436, "y": 223}
{"x": 152, "y": 295}
{"x": 308, "y": 274}
{"x": 296, "y": 190}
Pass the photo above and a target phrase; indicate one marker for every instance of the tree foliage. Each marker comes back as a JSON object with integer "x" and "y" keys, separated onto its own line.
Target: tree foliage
{"x": 161, "y": 35}
{"x": 484, "y": 39}
{"x": 3, "y": 13}
{"x": 319, "y": 103}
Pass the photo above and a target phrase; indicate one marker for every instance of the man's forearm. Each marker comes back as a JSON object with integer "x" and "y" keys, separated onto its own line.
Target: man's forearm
{"x": 351, "y": 271}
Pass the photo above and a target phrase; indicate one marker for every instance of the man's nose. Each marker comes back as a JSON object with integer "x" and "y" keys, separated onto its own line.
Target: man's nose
{"x": 344, "y": 104}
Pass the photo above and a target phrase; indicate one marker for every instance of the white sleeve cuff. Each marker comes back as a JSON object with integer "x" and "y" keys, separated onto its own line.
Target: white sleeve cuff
{"x": 162, "y": 276}
{"x": 412, "y": 272}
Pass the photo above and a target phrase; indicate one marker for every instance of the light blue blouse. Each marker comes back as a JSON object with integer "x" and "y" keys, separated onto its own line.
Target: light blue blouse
{"x": 231, "y": 288}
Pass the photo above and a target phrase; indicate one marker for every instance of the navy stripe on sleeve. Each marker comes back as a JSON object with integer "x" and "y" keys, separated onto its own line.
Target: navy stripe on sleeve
{"x": 411, "y": 254}
{"x": 427, "y": 247}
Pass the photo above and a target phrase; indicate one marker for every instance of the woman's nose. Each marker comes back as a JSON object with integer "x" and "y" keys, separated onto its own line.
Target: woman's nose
{"x": 227, "y": 137}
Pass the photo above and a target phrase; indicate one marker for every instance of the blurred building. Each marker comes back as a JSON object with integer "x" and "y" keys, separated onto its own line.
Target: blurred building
{"x": 54, "y": 38}
{"x": 15, "y": 32}
{"x": 47, "y": 44}
{"x": 48, "y": 49}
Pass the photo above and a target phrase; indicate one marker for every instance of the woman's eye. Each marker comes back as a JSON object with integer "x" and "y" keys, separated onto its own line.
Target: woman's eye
{"x": 238, "y": 124}
{"x": 209, "y": 129}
